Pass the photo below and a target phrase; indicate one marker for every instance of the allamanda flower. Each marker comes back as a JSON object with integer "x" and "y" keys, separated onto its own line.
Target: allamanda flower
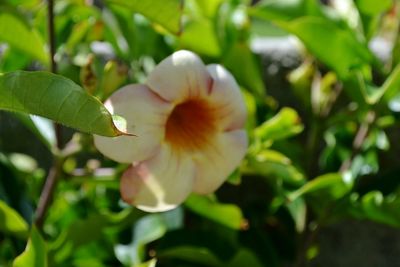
{"x": 189, "y": 121}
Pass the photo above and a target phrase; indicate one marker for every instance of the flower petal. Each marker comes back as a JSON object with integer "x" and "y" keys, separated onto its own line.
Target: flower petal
{"x": 214, "y": 165}
{"x": 225, "y": 96}
{"x": 179, "y": 77}
{"x": 160, "y": 183}
{"x": 146, "y": 115}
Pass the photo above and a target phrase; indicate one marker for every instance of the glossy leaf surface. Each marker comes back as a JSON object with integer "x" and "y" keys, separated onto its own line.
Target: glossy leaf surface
{"x": 57, "y": 98}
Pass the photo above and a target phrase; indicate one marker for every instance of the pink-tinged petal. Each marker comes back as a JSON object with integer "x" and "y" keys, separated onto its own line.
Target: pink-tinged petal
{"x": 214, "y": 165}
{"x": 179, "y": 77}
{"x": 146, "y": 115}
{"x": 226, "y": 98}
{"x": 160, "y": 183}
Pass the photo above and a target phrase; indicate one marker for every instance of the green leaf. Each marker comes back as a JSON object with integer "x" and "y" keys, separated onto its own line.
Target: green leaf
{"x": 191, "y": 254}
{"x": 272, "y": 163}
{"x": 199, "y": 35}
{"x": 166, "y": 13}
{"x": 93, "y": 227}
{"x": 298, "y": 210}
{"x": 17, "y": 33}
{"x": 373, "y": 94}
{"x": 246, "y": 68}
{"x": 146, "y": 230}
{"x": 226, "y": 214}
{"x": 331, "y": 185}
{"x": 209, "y": 7}
{"x": 380, "y": 208}
{"x": 11, "y": 222}
{"x": 327, "y": 38}
{"x": 57, "y": 98}
{"x": 150, "y": 263}
{"x": 35, "y": 254}
{"x": 391, "y": 86}
{"x": 203, "y": 257}
{"x": 284, "y": 9}
{"x": 373, "y": 7}
{"x": 244, "y": 257}
{"x": 333, "y": 44}
{"x": 283, "y": 125}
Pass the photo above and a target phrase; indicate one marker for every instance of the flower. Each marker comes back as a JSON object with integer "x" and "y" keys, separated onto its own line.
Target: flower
{"x": 188, "y": 120}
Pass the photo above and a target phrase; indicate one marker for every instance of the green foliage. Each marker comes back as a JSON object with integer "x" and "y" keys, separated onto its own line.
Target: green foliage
{"x": 11, "y": 222}
{"x": 284, "y": 124}
{"x": 372, "y": 7}
{"x": 225, "y": 214}
{"x": 17, "y": 33}
{"x": 164, "y": 13}
{"x": 322, "y": 126}
{"x": 35, "y": 254}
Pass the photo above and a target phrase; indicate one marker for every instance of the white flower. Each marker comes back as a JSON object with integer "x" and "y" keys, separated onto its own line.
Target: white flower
{"x": 189, "y": 121}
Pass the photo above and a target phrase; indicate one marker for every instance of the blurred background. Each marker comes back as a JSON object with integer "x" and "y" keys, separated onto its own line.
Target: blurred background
{"x": 319, "y": 185}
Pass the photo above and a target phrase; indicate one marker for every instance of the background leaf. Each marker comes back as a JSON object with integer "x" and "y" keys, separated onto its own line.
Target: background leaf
{"x": 11, "y": 222}
{"x": 166, "y": 13}
{"x": 226, "y": 214}
{"x": 17, "y": 33}
{"x": 35, "y": 254}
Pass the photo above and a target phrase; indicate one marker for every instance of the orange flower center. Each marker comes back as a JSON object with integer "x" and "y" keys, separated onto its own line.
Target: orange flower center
{"x": 191, "y": 125}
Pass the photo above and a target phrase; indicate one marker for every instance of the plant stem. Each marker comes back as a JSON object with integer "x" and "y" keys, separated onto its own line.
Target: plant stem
{"x": 53, "y": 63}
{"x": 358, "y": 141}
{"x": 55, "y": 171}
{"x": 47, "y": 193}
{"x": 51, "y": 36}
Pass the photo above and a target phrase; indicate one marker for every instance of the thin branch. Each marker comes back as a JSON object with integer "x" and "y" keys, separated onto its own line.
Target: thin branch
{"x": 51, "y": 35}
{"x": 47, "y": 194}
{"x": 52, "y": 178}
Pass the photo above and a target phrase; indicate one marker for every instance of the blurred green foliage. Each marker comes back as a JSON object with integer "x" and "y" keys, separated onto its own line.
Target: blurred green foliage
{"x": 331, "y": 157}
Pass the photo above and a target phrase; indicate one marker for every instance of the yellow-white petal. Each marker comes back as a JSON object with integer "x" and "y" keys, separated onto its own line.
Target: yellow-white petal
{"x": 227, "y": 99}
{"x": 146, "y": 114}
{"x": 214, "y": 165}
{"x": 179, "y": 77}
{"x": 160, "y": 183}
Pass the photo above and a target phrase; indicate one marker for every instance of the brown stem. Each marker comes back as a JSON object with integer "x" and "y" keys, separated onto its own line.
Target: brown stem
{"x": 55, "y": 171}
{"x": 47, "y": 193}
{"x": 51, "y": 35}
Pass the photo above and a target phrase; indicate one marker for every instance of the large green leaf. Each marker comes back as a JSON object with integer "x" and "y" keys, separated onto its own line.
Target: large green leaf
{"x": 333, "y": 44}
{"x": 327, "y": 38}
{"x": 57, "y": 98}
{"x": 35, "y": 254}
{"x": 11, "y": 222}
{"x": 166, "y": 13}
{"x": 17, "y": 33}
